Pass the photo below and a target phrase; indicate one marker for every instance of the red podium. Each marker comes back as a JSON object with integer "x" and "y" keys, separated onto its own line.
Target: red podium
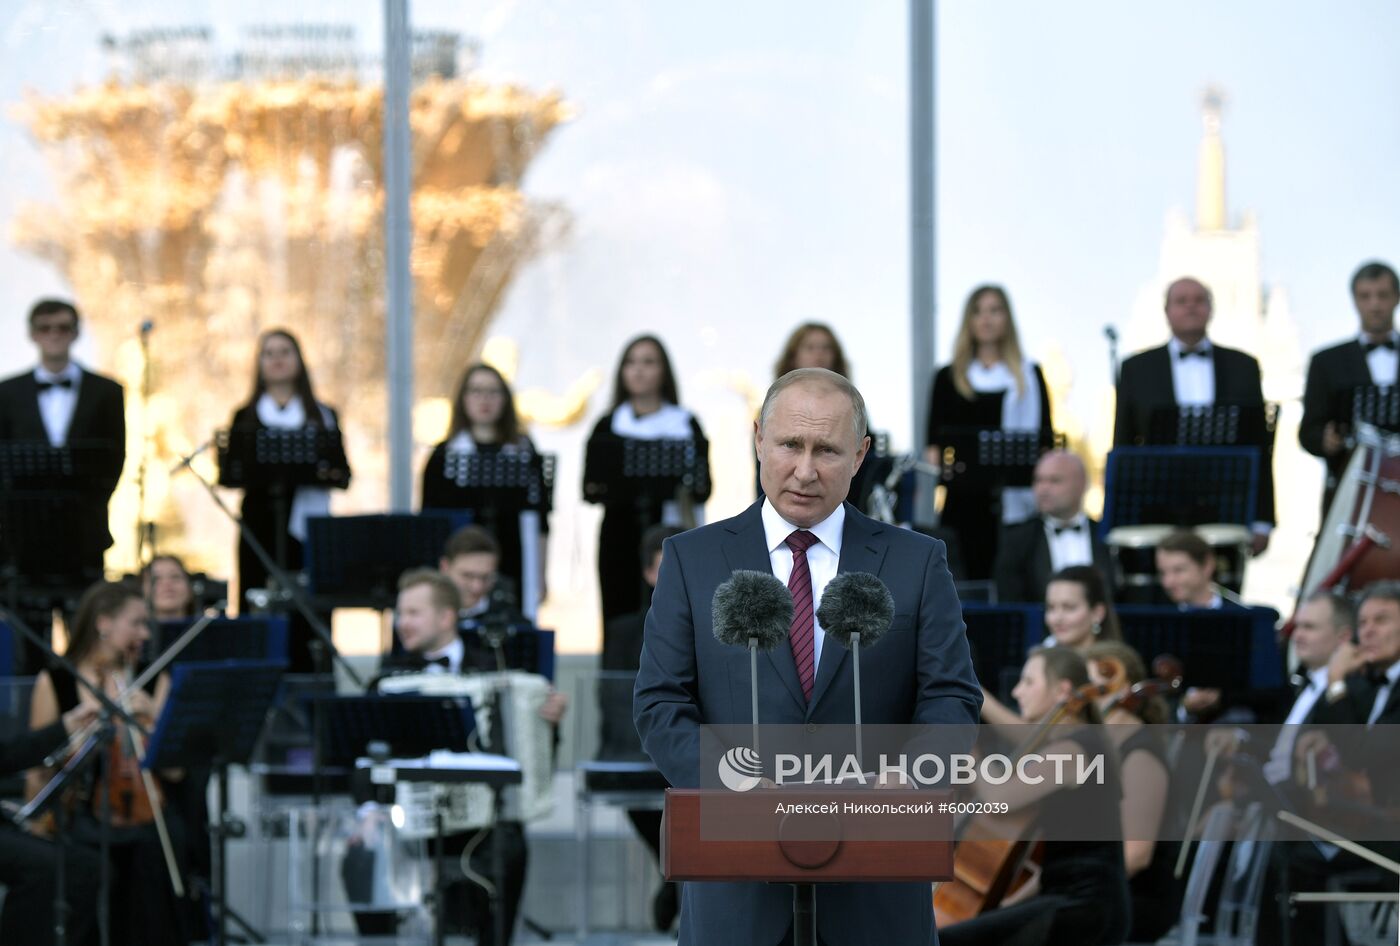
{"x": 807, "y": 835}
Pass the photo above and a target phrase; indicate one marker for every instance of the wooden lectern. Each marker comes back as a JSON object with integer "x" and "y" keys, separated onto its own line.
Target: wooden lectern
{"x": 807, "y": 848}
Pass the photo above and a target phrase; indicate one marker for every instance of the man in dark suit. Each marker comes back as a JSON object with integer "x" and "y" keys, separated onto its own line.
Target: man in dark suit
{"x": 1030, "y": 551}
{"x": 1334, "y": 374}
{"x": 810, "y": 439}
{"x": 61, "y": 404}
{"x": 1190, "y": 371}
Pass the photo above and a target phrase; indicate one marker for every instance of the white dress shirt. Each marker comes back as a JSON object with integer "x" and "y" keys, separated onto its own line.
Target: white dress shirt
{"x": 1280, "y": 762}
{"x": 823, "y": 558}
{"x": 454, "y": 653}
{"x": 1193, "y": 378}
{"x": 56, "y": 405}
{"x": 1392, "y": 673}
{"x": 1072, "y": 546}
{"x": 1383, "y": 362}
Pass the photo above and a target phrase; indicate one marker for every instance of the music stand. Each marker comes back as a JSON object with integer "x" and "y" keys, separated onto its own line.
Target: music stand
{"x": 1180, "y": 486}
{"x": 1371, "y": 404}
{"x": 214, "y": 716}
{"x": 263, "y": 637}
{"x": 514, "y": 480}
{"x": 523, "y": 647}
{"x": 1223, "y": 648}
{"x": 999, "y": 637}
{"x": 994, "y": 456}
{"x": 356, "y": 561}
{"x": 1209, "y": 425}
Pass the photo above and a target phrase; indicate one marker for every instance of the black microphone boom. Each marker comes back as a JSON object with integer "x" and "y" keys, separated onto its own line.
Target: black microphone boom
{"x": 752, "y": 604}
{"x": 856, "y": 611}
{"x": 856, "y": 603}
{"x": 754, "y": 610}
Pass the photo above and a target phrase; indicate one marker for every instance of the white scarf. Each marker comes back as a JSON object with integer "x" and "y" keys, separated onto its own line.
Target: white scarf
{"x": 1020, "y": 410}
{"x": 307, "y": 501}
{"x": 672, "y": 422}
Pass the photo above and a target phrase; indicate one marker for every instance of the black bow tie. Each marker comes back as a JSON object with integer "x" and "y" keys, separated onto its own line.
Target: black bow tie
{"x": 1388, "y": 344}
{"x": 1193, "y": 352}
{"x": 1072, "y": 527}
{"x": 443, "y": 662}
{"x": 60, "y": 383}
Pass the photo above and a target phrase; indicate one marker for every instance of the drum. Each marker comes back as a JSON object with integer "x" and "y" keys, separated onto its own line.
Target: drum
{"x": 1230, "y": 542}
{"x": 1135, "y": 549}
{"x": 1366, "y": 504}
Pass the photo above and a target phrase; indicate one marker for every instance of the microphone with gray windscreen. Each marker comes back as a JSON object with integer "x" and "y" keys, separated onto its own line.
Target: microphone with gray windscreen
{"x": 856, "y": 609}
{"x": 752, "y": 609}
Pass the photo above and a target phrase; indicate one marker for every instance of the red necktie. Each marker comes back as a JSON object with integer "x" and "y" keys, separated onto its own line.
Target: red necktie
{"x": 802, "y": 631}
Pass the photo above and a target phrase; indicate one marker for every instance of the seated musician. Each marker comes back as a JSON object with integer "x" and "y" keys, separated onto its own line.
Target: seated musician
{"x": 108, "y": 633}
{"x": 426, "y": 621}
{"x": 1058, "y": 536}
{"x": 1142, "y": 753}
{"x": 169, "y": 589}
{"x": 1078, "y": 614}
{"x": 1081, "y": 893}
{"x": 29, "y": 864}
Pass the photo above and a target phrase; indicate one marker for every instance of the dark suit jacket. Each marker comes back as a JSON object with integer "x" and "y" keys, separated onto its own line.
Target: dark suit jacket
{"x": 1333, "y": 373}
{"x": 688, "y": 679}
{"x": 29, "y": 749}
{"x": 1365, "y": 750}
{"x": 98, "y": 417}
{"x": 1023, "y": 561}
{"x": 1145, "y": 385}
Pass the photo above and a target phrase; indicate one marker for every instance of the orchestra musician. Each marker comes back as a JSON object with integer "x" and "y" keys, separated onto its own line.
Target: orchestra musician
{"x": 1058, "y": 536}
{"x": 990, "y": 385}
{"x": 29, "y": 864}
{"x": 1142, "y": 753}
{"x": 1366, "y": 360}
{"x": 1192, "y": 371}
{"x": 108, "y": 633}
{"x": 1078, "y": 615}
{"x": 1081, "y": 892}
{"x": 645, "y": 406}
{"x": 168, "y": 588}
{"x": 60, "y": 403}
{"x": 276, "y": 513}
{"x": 485, "y": 423}
{"x": 426, "y": 621}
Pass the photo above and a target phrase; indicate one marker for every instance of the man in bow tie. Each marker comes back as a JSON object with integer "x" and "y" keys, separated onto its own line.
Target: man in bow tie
{"x": 57, "y": 538}
{"x": 1061, "y": 535}
{"x": 1367, "y": 361}
{"x": 1191, "y": 371}
{"x": 810, "y": 439}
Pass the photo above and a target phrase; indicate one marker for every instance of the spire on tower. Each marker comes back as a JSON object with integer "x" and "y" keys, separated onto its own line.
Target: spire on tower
{"x": 1210, "y": 165}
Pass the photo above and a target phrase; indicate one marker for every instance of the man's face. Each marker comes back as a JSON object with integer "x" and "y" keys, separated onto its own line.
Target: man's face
{"x": 1314, "y": 635}
{"x": 1378, "y": 631}
{"x": 422, "y": 626}
{"x": 1188, "y": 310}
{"x": 474, "y": 574}
{"x": 1059, "y": 486}
{"x": 808, "y": 452}
{"x": 53, "y": 334}
{"x": 1375, "y": 302}
{"x": 1184, "y": 581}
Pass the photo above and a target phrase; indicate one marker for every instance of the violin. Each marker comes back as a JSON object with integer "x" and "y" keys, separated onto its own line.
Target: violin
{"x": 995, "y": 857}
{"x": 131, "y": 795}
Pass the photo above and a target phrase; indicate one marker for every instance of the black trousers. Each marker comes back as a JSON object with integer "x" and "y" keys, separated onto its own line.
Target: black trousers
{"x": 28, "y": 870}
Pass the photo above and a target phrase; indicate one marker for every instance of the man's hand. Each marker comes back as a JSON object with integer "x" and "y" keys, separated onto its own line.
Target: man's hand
{"x": 79, "y": 718}
{"x": 1345, "y": 661}
{"x": 553, "y": 707}
{"x": 1332, "y": 441}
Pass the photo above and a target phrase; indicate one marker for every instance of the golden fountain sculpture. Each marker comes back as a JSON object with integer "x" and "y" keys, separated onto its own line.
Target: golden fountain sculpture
{"x": 216, "y": 209}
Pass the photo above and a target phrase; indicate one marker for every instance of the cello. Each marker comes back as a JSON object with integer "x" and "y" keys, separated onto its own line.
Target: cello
{"x": 994, "y": 854}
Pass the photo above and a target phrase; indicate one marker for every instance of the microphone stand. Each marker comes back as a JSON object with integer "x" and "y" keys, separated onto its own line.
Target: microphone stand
{"x": 753, "y": 691}
{"x": 1111, "y": 334}
{"x": 291, "y": 589}
{"x": 145, "y": 529}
